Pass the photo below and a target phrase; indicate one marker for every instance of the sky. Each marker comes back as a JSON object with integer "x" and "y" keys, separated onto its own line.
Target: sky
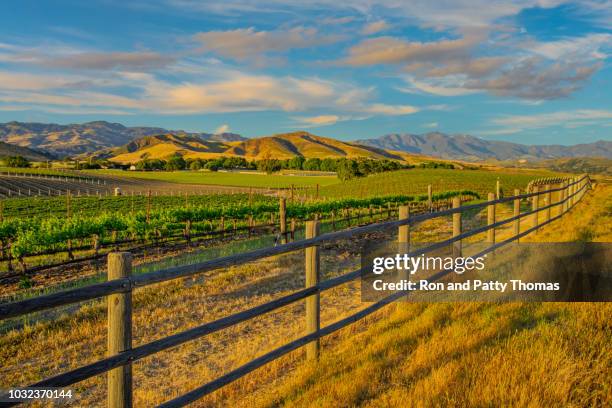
{"x": 527, "y": 71}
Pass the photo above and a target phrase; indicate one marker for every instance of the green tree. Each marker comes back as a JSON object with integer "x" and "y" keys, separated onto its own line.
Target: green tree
{"x": 176, "y": 163}
{"x": 329, "y": 164}
{"x": 269, "y": 165}
{"x": 17, "y": 161}
{"x": 347, "y": 169}
{"x": 312, "y": 164}
{"x": 296, "y": 163}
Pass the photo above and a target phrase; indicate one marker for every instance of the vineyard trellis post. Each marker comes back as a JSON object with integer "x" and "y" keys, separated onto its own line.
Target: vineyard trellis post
{"x": 497, "y": 189}
{"x": 516, "y": 213}
{"x": 282, "y": 206}
{"x": 491, "y": 219}
{"x": 429, "y": 198}
{"x": 457, "y": 227}
{"x": 313, "y": 305}
{"x": 120, "y": 331}
{"x": 292, "y": 229}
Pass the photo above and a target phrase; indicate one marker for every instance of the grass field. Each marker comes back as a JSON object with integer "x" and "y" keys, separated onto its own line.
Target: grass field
{"x": 221, "y": 178}
{"x": 415, "y": 181}
{"x": 469, "y": 354}
{"x": 413, "y": 355}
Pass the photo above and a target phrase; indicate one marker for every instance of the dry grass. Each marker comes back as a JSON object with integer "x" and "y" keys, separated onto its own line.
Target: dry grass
{"x": 470, "y": 354}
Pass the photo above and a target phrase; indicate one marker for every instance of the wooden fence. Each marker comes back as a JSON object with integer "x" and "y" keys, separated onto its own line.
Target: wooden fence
{"x": 121, "y": 283}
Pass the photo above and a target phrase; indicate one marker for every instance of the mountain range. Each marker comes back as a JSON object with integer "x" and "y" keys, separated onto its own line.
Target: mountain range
{"x": 129, "y": 144}
{"x": 470, "y": 148}
{"x": 74, "y": 139}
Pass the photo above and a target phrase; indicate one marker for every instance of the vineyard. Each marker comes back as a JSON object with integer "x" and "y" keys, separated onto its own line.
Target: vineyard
{"x": 33, "y": 185}
{"x": 46, "y": 233}
{"x": 94, "y": 224}
{"x": 415, "y": 181}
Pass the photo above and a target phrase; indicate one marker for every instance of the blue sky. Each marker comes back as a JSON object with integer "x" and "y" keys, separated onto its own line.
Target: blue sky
{"x": 530, "y": 71}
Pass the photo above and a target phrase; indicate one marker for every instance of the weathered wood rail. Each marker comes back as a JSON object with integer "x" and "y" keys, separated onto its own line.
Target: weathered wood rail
{"x": 119, "y": 288}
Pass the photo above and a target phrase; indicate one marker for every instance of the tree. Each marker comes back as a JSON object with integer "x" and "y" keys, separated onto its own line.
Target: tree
{"x": 328, "y": 164}
{"x": 176, "y": 163}
{"x": 269, "y": 165}
{"x": 312, "y": 164}
{"x": 196, "y": 164}
{"x": 347, "y": 169}
{"x": 296, "y": 163}
{"x": 17, "y": 161}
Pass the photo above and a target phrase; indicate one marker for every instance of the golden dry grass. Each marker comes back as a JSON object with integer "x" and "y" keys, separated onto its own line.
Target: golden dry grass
{"x": 471, "y": 354}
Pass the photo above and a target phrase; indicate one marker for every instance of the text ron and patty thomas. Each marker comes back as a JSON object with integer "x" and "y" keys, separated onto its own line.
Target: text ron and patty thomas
{"x": 459, "y": 265}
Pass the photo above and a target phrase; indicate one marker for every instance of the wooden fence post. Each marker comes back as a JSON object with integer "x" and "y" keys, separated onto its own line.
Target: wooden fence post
{"x": 456, "y": 227}
{"x": 429, "y": 197}
{"x": 119, "y": 331}
{"x": 403, "y": 235}
{"x": 283, "y": 219}
{"x": 516, "y": 213}
{"x": 312, "y": 268}
{"x": 535, "y": 205}
{"x": 564, "y": 196}
{"x": 491, "y": 219}
{"x": 403, "y": 239}
{"x": 548, "y": 200}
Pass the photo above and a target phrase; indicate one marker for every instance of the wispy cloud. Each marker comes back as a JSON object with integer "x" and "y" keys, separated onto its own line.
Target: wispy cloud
{"x": 250, "y": 45}
{"x": 222, "y": 129}
{"x": 392, "y": 50}
{"x": 375, "y": 27}
{"x": 577, "y": 117}
{"x": 318, "y": 121}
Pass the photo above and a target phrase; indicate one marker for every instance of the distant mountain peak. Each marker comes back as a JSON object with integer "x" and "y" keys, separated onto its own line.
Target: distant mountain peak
{"x": 471, "y": 148}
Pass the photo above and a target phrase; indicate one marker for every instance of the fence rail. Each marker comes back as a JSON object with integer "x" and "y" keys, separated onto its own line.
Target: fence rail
{"x": 121, "y": 283}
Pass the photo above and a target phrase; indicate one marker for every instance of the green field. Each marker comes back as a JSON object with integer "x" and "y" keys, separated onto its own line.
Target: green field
{"x": 415, "y": 181}
{"x": 221, "y": 178}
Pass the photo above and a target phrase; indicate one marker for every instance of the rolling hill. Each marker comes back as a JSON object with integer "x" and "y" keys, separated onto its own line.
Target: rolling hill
{"x": 75, "y": 139}
{"x": 280, "y": 146}
{"x": 470, "y": 148}
{"x": 288, "y": 145}
{"x": 163, "y": 146}
{"x": 7, "y": 150}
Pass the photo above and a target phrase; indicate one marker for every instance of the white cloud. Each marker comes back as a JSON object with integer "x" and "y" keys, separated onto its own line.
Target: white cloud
{"x": 449, "y": 86}
{"x": 249, "y": 45}
{"x": 318, "y": 121}
{"x": 591, "y": 46}
{"x": 222, "y": 129}
{"x": 391, "y": 110}
{"x": 375, "y": 27}
{"x": 562, "y": 118}
{"x": 392, "y": 50}
{"x": 430, "y": 125}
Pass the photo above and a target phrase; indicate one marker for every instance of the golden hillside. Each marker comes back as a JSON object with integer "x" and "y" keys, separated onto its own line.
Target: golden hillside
{"x": 280, "y": 146}
{"x": 166, "y": 145}
{"x": 288, "y": 145}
